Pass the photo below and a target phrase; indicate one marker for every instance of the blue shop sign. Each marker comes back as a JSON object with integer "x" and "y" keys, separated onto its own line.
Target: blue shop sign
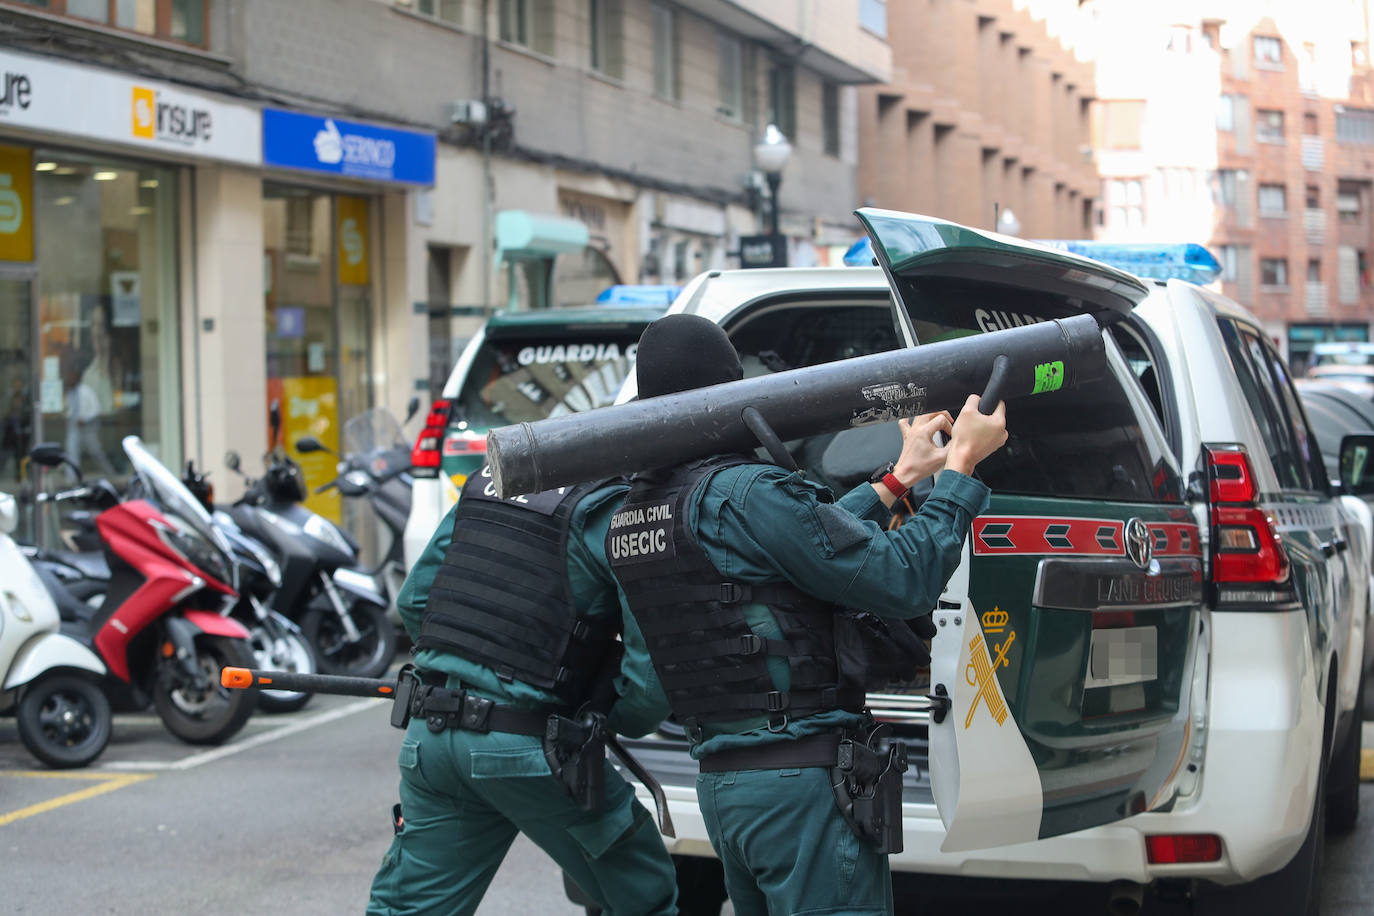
{"x": 334, "y": 146}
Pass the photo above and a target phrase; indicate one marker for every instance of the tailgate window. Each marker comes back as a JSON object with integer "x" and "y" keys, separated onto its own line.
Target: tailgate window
{"x": 1099, "y": 441}
{"x": 519, "y": 379}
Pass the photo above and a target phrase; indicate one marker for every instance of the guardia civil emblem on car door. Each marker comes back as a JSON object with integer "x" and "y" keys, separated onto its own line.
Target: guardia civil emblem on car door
{"x": 1139, "y": 545}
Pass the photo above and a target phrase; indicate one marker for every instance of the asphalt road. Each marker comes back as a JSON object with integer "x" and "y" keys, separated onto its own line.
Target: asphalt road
{"x": 292, "y": 817}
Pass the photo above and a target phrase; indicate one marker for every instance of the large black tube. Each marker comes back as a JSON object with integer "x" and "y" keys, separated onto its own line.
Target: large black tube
{"x": 668, "y": 430}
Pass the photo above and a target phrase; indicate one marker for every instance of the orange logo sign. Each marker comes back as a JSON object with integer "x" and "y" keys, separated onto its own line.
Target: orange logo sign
{"x": 144, "y": 113}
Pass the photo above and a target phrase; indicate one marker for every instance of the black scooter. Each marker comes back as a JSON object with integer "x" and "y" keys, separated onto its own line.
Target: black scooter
{"x": 336, "y": 605}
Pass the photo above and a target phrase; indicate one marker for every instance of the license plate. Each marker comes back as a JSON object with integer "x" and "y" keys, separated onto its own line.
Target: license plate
{"x": 1126, "y": 655}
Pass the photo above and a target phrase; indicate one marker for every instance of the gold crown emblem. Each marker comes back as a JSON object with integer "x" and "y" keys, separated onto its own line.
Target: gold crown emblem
{"x": 995, "y": 619}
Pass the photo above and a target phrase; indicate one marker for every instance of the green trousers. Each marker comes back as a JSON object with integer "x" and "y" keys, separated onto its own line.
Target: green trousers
{"x": 465, "y": 795}
{"x": 785, "y": 847}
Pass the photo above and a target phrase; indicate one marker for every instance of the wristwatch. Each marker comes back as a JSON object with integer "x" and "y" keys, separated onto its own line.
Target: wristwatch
{"x": 888, "y": 479}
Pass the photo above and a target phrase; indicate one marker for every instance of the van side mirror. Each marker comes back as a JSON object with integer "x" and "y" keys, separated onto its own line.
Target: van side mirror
{"x": 1357, "y": 464}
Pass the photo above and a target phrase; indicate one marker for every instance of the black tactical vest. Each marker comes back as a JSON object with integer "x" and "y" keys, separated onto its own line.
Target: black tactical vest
{"x": 501, "y": 598}
{"x": 710, "y": 663}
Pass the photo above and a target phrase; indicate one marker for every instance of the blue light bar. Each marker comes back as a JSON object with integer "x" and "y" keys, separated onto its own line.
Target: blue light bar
{"x": 1186, "y": 261}
{"x": 639, "y": 294}
{"x": 860, "y": 254}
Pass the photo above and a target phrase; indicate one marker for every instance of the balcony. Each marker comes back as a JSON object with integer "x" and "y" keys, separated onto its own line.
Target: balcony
{"x": 1314, "y": 299}
{"x": 1314, "y": 226}
{"x": 1313, "y": 153}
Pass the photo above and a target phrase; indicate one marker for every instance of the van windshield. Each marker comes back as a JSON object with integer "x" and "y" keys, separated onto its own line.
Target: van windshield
{"x": 527, "y": 378}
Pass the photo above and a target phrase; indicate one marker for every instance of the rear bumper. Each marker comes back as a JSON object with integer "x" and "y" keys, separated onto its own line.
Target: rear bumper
{"x": 1256, "y": 791}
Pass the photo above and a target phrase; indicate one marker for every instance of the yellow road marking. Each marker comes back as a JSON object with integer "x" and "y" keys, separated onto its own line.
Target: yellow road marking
{"x": 1367, "y": 765}
{"x": 107, "y": 782}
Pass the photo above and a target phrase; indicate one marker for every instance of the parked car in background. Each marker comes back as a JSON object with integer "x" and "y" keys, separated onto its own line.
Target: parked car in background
{"x": 519, "y": 366}
{"x": 1135, "y": 518}
{"x": 1341, "y": 353}
{"x": 1356, "y": 378}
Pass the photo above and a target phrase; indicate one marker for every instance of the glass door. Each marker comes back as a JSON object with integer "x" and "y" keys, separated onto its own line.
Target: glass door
{"x": 21, "y": 388}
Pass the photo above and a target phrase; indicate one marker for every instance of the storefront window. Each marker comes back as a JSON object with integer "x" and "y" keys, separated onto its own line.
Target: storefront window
{"x": 317, "y": 279}
{"x": 108, "y": 358}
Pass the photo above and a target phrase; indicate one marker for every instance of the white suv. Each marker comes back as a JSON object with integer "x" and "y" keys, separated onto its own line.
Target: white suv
{"x": 1166, "y": 600}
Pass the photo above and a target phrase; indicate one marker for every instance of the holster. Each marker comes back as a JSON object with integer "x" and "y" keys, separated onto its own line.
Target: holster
{"x": 406, "y": 683}
{"x": 576, "y": 752}
{"x": 868, "y": 792}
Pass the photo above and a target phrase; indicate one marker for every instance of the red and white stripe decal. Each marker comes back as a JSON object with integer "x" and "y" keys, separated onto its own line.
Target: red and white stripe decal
{"x": 1099, "y": 537}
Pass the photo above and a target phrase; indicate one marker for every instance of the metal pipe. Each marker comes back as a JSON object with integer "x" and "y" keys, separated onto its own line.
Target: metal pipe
{"x": 669, "y": 430}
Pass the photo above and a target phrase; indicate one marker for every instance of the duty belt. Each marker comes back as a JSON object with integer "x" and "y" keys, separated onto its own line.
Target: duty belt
{"x": 442, "y": 707}
{"x": 811, "y": 751}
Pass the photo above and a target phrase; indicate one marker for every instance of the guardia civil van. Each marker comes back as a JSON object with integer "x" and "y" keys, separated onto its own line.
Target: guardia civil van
{"x": 1147, "y": 661}
{"x": 519, "y": 366}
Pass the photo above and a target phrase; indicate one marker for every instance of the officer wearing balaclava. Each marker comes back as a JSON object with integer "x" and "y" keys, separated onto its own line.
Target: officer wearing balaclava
{"x": 743, "y": 578}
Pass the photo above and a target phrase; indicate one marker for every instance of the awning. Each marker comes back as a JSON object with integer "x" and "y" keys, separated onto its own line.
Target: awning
{"x": 522, "y": 235}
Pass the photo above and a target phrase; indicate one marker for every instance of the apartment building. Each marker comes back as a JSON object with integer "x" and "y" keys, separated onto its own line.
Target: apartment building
{"x": 1250, "y": 128}
{"x": 985, "y": 120}
{"x": 209, "y": 205}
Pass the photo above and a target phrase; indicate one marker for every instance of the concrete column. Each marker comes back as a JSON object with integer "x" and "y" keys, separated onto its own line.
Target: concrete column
{"x": 401, "y": 339}
{"x": 225, "y": 395}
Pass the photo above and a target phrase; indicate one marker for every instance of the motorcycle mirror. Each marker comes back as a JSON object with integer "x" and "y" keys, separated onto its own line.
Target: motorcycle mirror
{"x": 231, "y": 460}
{"x": 308, "y": 444}
{"x": 412, "y": 408}
{"x": 274, "y": 419}
{"x": 51, "y": 455}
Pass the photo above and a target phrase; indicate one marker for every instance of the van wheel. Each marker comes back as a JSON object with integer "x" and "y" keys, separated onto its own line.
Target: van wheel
{"x": 1343, "y": 780}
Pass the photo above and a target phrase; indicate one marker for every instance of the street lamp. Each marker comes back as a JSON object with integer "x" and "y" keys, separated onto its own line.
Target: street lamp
{"x": 771, "y": 155}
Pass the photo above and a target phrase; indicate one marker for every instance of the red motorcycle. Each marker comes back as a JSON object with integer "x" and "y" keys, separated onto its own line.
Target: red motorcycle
{"x": 158, "y": 628}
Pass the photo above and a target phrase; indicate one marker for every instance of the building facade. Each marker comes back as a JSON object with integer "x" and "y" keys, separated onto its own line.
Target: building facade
{"x": 1249, "y": 128}
{"x": 219, "y": 204}
{"x": 985, "y": 120}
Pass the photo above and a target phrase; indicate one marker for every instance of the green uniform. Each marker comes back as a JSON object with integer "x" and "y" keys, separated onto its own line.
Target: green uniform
{"x": 465, "y": 795}
{"x": 784, "y": 845}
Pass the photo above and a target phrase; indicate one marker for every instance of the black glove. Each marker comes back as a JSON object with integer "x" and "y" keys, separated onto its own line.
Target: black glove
{"x": 924, "y": 626}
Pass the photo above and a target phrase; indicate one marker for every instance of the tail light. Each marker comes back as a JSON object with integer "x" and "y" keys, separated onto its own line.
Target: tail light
{"x": 425, "y": 457}
{"x": 1182, "y": 848}
{"x": 1246, "y": 548}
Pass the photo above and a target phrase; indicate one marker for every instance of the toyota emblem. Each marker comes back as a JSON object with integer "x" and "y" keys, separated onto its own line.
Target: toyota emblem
{"x": 1139, "y": 544}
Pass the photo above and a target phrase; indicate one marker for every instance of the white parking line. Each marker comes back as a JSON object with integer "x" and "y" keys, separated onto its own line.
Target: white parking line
{"x": 220, "y": 753}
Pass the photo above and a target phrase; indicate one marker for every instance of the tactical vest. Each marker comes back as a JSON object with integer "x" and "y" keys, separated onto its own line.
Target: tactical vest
{"x": 502, "y": 599}
{"x": 711, "y": 664}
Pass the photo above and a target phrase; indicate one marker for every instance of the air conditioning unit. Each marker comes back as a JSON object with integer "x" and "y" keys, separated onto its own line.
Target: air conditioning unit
{"x": 471, "y": 112}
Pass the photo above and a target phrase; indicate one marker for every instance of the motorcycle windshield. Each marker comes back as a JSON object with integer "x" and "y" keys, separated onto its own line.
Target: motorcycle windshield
{"x": 171, "y": 494}
{"x": 372, "y": 430}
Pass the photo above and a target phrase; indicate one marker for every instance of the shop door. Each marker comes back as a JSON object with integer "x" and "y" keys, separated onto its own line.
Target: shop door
{"x": 21, "y": 388}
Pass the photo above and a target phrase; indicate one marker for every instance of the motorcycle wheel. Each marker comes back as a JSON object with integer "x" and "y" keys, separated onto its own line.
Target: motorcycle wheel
{"x": 214, "y": 714}
{"x": 277, "y": 648}
{"x": 64, "y": 720}
{"x": 370, "y": 656}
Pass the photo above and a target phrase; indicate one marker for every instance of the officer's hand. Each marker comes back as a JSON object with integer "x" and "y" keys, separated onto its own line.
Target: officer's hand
{"x": 924, "y": 626}
{"x": 920, "y": 456}
{"x": 976, "y": 436}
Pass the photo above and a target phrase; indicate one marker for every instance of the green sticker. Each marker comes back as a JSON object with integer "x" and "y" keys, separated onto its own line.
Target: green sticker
{"x": 1049, "y": 376}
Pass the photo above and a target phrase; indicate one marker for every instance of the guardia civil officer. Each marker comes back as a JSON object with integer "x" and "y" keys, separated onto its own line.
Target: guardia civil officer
{"x": 739, "y": 575}
{"x": 514, "y": 614}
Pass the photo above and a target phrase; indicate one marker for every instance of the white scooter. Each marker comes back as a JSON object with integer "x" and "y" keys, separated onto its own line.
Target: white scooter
{"x": 48, "y": 680}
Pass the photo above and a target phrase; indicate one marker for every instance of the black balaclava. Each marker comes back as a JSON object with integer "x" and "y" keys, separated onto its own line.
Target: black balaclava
{"x": 682, "y": 352}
